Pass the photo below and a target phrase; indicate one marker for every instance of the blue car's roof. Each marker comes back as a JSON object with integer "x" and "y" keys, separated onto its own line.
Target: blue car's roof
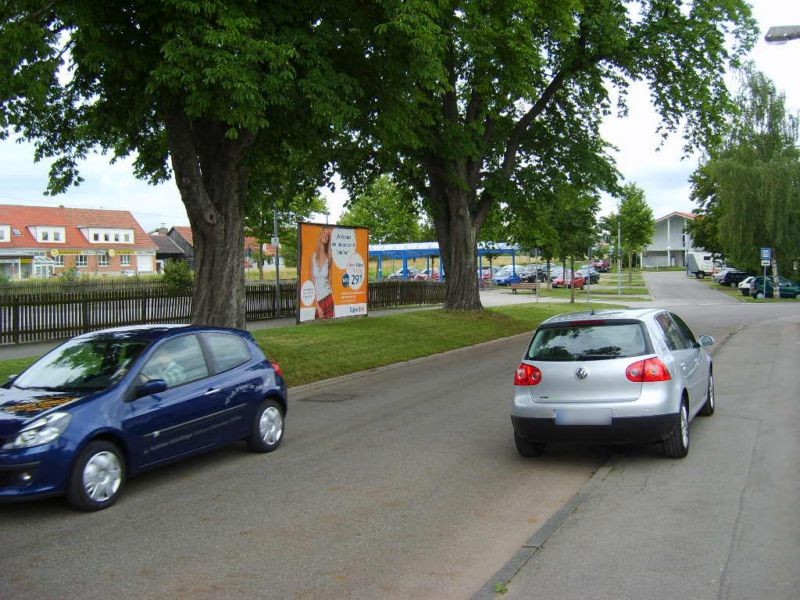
{"x": 152, "y": 332}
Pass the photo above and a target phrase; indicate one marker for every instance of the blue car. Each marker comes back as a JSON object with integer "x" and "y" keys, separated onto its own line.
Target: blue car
{"x": 108, "y": 405}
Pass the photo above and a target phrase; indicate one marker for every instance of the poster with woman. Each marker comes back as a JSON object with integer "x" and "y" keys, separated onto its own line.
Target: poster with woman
{"x": 332, "y": 271}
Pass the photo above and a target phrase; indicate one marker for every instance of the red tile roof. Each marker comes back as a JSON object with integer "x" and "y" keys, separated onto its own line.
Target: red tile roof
{"x": 72, "y": 219}
{"x": 685, "y": 215}
{"x": 186, "y": 233}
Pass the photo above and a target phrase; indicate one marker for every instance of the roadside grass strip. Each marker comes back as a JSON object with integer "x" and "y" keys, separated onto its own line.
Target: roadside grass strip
{"x": 325, "y": 349}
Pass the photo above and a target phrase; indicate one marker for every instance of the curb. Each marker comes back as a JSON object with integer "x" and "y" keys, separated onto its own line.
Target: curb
{"x": 535, "y": 543}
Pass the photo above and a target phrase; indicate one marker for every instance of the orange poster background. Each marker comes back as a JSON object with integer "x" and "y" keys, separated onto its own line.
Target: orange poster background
{"x": 348, "y": 273}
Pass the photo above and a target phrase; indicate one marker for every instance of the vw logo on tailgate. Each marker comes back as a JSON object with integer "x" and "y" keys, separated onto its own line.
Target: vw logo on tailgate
{"x": 581, "y": 373}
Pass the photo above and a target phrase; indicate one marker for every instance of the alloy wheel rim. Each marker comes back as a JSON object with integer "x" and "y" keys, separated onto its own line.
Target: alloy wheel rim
{"x": 711, "y": 391}
{"x": 270, "y": 425}
{"x": 102, "y": 476}
{"x": 684, "y": 427}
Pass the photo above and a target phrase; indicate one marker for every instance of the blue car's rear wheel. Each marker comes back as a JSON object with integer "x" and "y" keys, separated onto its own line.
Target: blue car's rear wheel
{"x": 267, "y": 428}
{"x": 97, "y": 476}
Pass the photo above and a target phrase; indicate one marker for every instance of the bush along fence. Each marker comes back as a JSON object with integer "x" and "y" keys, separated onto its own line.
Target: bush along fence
{"x": 61, "y": 313}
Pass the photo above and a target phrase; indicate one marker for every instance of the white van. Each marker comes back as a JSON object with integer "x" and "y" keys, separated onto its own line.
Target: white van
{"x": 700, "y": 264}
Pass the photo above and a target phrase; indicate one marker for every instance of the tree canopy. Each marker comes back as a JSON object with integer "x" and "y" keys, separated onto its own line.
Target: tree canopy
{"x": 387, "y": 210}
{"x": 749, "y": 188}
{"x": 475, "y": 103}
{"x": 212, "y": 91}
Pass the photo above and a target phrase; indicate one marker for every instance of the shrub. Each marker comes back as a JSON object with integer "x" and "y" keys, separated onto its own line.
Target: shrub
{"x": 178, "y": 276}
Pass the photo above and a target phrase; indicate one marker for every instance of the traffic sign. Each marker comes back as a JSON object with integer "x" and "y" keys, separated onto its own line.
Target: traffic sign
{"x": 766, "y": 257}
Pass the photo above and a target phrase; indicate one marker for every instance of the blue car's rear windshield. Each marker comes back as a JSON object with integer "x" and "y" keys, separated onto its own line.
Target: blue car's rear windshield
{"x": 570, "y": 341}
{"x": 83, "y": 365}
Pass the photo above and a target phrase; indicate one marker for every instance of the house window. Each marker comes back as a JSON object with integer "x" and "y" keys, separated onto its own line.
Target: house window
{"x": 96, "y": 237}
{"x": 44, "y": 236}
{"x": 2, "y": 234}
{"x": 56, "y": 236}
{"x": 125, "y": 260}
{"x": 58, "y": 261}
{"x": 116, "y": 237}
{"x": 102, "y": 260}
{"x": 127, "y": 237}
{"x": 81, "y": 260}
{"x": 106, "y": 237}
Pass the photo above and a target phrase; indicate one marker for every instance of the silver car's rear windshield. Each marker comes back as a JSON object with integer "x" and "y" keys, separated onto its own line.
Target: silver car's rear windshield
{"x": 588, "y": 341}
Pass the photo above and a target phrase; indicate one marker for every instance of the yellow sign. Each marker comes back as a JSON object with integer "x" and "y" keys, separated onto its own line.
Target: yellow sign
{"x": 111, "y": 252}
{"x": 54, "y": 252}
{"x": 332, "y": 272}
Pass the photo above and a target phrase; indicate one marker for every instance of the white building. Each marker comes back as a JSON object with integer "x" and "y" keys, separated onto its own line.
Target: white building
{"x": 670, "y": 242}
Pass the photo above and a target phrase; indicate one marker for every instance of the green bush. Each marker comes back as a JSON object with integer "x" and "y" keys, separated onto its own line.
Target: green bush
{"x": 70, "y": 275}
{"x": 178, "y": 276}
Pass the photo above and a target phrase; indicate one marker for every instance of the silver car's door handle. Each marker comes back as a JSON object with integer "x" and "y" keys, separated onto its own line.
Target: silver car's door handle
{"x": 210, "y": 391}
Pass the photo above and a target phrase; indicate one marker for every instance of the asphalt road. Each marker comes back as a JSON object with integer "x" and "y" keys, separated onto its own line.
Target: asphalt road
{"x": 404, "y": 482}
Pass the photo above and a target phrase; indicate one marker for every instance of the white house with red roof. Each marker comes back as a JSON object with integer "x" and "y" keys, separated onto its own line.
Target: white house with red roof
{"x": 40, "y": 241}
{"x": 670, "y": 242}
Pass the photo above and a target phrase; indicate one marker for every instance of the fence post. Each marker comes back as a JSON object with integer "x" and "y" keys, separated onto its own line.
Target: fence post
{"x": 85, "y": 314}
{"x": 15, "y": 320}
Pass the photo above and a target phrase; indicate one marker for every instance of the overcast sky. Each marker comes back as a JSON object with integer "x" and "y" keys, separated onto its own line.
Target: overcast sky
{"x": 663, "y": 174}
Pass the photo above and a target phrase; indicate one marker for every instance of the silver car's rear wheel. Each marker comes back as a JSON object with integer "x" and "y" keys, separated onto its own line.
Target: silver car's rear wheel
{"x": 526, "y": 448}
{"x": 677, "y": 444}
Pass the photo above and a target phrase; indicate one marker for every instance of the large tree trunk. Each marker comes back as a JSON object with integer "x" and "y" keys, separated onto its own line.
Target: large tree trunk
{"x": 457, "y": 235}
{"x": 210, "y": 173}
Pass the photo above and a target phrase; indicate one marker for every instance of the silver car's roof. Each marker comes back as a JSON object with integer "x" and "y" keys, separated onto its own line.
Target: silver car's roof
{"x": 609, "y": 313}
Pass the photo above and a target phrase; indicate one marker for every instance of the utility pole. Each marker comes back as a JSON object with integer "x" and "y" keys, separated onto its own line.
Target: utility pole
{"x": 619, "y": 256}
{"x": 276, "y": 246}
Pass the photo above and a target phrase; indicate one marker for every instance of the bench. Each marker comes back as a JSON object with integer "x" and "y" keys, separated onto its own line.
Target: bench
{"x": 524, "y": 285}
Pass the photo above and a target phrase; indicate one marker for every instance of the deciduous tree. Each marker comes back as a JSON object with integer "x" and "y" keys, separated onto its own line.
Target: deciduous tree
{"x": 210, "y": 90}
{"x": 475, "y": 103}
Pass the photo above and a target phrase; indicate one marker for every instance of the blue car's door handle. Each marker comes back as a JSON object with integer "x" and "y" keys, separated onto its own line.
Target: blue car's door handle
{"x": 210, "y": 391}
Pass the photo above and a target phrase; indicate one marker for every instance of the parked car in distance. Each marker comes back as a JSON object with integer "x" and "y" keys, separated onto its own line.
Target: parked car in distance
{"x": 487, "y": 274}
{"x": 612, "y": 376}
{"x": 744, "y": 285}
{"x": 400, "y": 275}
{"x": 732, "y": 277}
{"x": 602, "y": 265}
{"x": 108, "y": 405}
{"x": 788, "y": 288}
{"x": 427, "y": 275}
{"x": 569, "y": 280}
{"x": 507, "y": 275}
{"x": 530, "y": 273}
{"x": 589, "y": 273}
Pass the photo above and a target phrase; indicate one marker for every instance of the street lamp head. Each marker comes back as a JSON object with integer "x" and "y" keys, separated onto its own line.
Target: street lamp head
{"x": 782, "y": 34}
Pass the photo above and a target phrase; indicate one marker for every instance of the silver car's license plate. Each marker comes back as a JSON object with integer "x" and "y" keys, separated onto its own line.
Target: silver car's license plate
{"x": 583, "y": 416}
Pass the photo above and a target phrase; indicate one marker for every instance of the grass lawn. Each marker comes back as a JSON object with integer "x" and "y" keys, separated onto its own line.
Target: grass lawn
{"x": 320, "y": 350}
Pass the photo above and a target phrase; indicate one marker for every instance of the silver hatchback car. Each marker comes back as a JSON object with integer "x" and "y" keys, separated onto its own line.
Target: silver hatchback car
{"x": 612, "y": 376}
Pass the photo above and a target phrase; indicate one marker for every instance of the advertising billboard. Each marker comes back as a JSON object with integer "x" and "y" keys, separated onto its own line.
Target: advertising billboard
{"x": 331, "y": 271}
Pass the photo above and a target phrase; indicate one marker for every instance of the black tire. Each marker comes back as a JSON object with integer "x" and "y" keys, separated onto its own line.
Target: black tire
{"x": 700, "y": 275}
{"x": 97, "y": 477}
{"x": 677, "y": 444}
{"x": 710, "y": 403}
{"x": 528, "y": 449}
{"x": 268, "y": 427}
{"x": 759, "y": 296}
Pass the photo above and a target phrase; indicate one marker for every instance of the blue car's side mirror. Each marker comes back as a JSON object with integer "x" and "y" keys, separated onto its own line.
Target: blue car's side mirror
{"x": 154, "y": 386}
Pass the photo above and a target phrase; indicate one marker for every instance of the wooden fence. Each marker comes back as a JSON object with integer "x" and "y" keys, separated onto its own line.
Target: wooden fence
{"x": 55, "y": 314}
